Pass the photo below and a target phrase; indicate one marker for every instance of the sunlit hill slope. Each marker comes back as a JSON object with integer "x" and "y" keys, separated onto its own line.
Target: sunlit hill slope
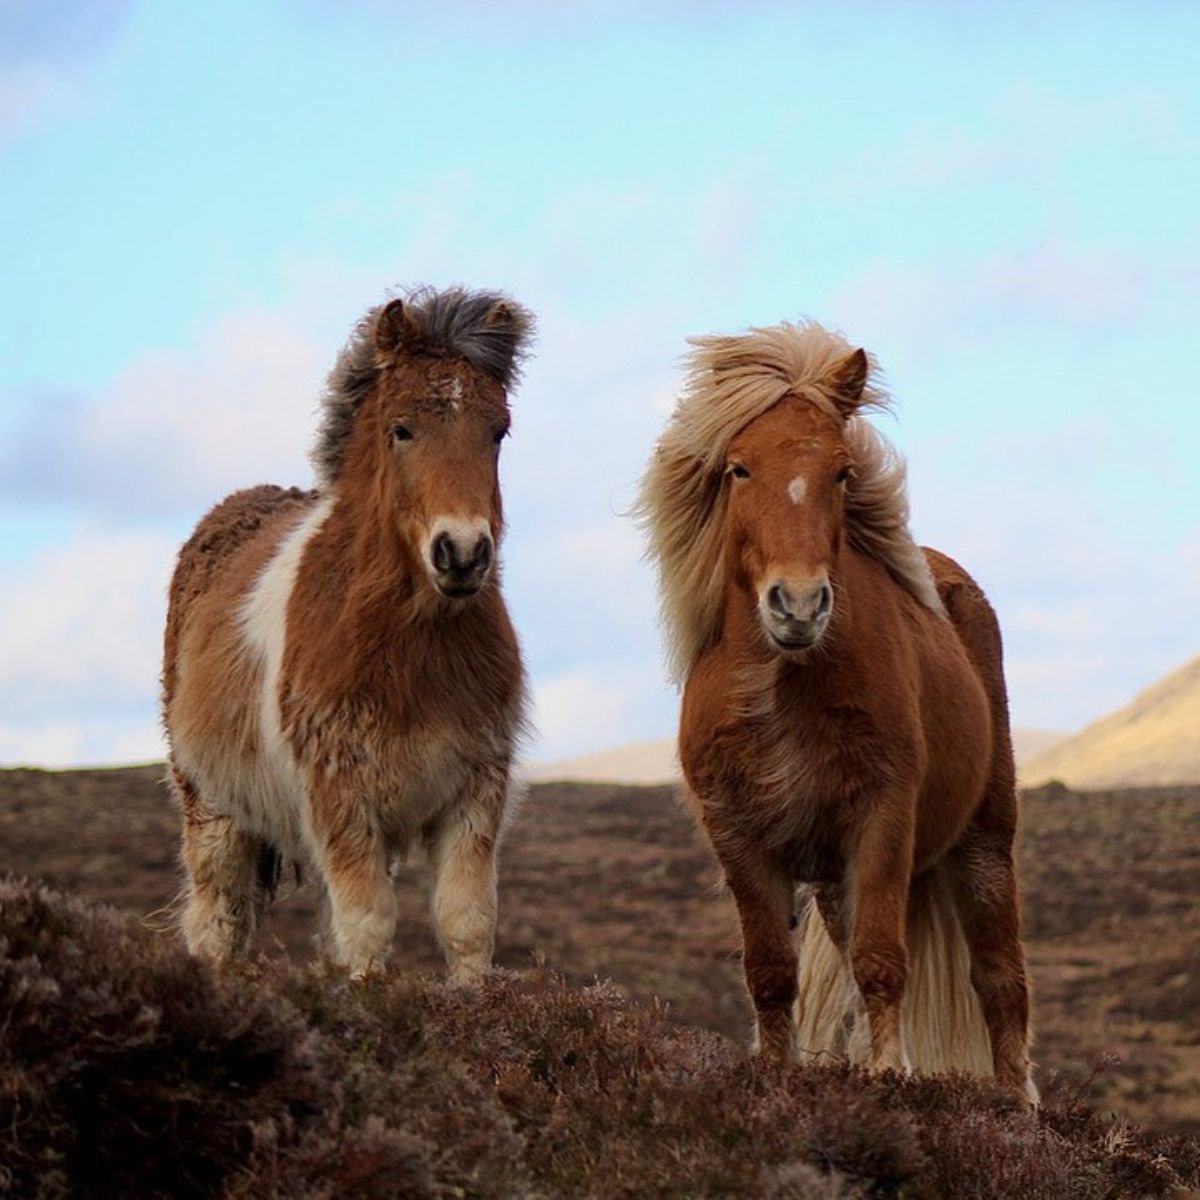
{"x": 1154, "y": 740}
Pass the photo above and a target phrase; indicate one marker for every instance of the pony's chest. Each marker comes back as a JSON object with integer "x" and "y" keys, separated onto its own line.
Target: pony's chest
{"x": 420, "y": 775}
{"x": 779, "y": 755}
{"x": 787, "y": 788}
{"x": 413, "y": 746}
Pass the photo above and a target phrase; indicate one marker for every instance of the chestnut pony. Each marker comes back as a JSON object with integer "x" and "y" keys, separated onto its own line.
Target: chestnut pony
{"x": 341, "y": 682}
{"x": 844, "y": 720}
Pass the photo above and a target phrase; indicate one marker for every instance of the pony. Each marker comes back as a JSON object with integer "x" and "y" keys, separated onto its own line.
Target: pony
{"x": 341, "y": 680}
{"x": 844, "y": 722}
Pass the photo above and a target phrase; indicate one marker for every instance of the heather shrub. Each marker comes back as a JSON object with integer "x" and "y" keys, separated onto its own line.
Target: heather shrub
{"x": 127, "y": 1069}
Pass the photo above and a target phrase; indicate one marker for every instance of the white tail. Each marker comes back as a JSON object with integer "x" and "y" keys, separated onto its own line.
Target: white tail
{"x": 942, "y": 1026}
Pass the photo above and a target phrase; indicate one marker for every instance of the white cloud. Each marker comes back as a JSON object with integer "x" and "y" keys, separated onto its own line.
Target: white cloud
{"x": 46, "y": 53}
{"x": 588, "y": 413}
{"x": 81, "y": 623}
{"x": 1052, "y": 118}
{"x": 1095, "y": 289}
{"x": 1091, "y": 611}
{"x": 599, "y": 706}
{"x": 1050, "y": 285}
{"x": 27, "y": 91}
{"x": 86, "y": 740}
{"x": 177, "y": 430}
{"x": 81, "y": 628}
{"x": 577, "y": 712}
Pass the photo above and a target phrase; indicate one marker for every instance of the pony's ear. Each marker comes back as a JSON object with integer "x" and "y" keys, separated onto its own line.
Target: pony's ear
{"x": 501, "y": 314}
{"x": 848, "y": 379}
{"x": 393, "y": 327}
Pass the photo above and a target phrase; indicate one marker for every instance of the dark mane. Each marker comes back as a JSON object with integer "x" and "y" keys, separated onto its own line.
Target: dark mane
{"x": 487, "y": 329}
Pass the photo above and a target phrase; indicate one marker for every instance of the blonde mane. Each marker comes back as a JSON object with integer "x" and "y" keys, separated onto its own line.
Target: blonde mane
{"x": 681, "y": 505}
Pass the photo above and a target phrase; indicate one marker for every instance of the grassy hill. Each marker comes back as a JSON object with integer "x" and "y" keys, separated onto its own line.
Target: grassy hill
{"x": 1154, "y": 740}
{"x": 611, "y": 883}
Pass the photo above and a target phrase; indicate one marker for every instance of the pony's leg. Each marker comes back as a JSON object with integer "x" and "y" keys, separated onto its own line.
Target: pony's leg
{"x": 462, "y": 850}
{"x": 353, "y": 862}
{"x": 766, "y": 900}
{"x": 221, "y": 907}
{"x": 878, "y": 952}
{"x": 985, "y": 892}
{"x": 831, "y": 905}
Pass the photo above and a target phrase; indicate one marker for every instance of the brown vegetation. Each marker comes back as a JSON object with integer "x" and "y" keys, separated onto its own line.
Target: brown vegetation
{"x": 611, "y": 882}
{"x": 127, "y": 1068}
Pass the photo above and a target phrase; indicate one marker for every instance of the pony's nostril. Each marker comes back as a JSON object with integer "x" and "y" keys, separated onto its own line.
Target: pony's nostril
{"x": 461, "y": 553}
{"x": 443, "y": 552}
{"x": 482, "y": 558}
{"x": 777, "y": 601}
{"x": 825, "y": 601}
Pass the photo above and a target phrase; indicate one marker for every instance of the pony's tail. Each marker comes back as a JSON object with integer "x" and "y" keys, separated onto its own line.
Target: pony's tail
{"x": 942, "y": 1023}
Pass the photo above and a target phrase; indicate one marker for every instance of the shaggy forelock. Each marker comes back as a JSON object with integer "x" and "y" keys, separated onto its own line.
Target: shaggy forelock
{"x": 454, "y": 322}
{"x": 732, "y": 380}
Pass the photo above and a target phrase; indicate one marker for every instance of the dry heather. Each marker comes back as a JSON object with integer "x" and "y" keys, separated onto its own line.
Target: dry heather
{"x": 127, "y": 1069}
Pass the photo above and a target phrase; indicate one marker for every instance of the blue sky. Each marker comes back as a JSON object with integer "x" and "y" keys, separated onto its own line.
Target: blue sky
{"x": 1002, "y": 202}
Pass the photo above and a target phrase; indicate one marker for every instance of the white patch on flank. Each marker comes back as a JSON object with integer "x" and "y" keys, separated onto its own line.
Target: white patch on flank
{"x": 276, "y": 800}
{"x": 797, "y": 489}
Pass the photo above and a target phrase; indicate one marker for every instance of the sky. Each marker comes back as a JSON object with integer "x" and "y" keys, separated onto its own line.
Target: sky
{"x": 197, "y": 202}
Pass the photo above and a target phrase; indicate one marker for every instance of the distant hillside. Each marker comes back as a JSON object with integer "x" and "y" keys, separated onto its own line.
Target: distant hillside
{"x": 1153, "y": 741}
{"x": 646, "y": 763}
{"x": 650, "y": 763}
{"x": 1029, "y": 743}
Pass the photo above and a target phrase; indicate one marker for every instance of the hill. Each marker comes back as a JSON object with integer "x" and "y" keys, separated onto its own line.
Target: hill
{"x": 654, "y": 762}
{"x": 1154, "y": 740}
{"x": 642, "y": 764}
{"x": 612, "y": 882}
{"x": 129, "y": 1069}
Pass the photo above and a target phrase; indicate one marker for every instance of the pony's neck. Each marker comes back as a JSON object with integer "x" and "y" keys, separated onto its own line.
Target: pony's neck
{"x": 380, "y": 579}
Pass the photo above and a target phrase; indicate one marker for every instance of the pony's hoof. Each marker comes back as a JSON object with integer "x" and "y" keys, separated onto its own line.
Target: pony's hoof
{"x": 372, "y": 969}
{"x": 893, "y": 1061}
{"x": 467, "y": 976}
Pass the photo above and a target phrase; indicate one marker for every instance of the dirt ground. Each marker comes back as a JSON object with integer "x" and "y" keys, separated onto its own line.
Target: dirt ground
{"x": 612, "y": 882}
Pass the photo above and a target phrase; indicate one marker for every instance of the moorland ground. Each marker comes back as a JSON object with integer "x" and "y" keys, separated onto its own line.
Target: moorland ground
{"x": 128, "y": 1068}
{"x": 613, "y": 883}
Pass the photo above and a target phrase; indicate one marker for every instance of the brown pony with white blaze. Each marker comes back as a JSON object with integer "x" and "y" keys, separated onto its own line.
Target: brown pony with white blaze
{"x": 341, "y": 681}
{"x": 844, "y": 723}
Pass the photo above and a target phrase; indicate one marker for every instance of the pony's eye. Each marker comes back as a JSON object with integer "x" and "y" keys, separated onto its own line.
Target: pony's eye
{"x": 843, "y": 475}
{"x": 500, "y": 435}
{"x": 401, "y": 433}
{"x": 738, "y": 471}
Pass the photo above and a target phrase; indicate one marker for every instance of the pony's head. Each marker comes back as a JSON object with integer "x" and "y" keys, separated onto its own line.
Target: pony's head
{"x": 786, "y": 473}
{"x": 766, "y": 467}
{"x": 415, "y": 413}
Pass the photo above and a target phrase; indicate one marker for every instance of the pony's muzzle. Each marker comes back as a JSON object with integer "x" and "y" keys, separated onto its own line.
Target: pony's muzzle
{"x": 795, "y": 615}
{"x": 461, "y": 555}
